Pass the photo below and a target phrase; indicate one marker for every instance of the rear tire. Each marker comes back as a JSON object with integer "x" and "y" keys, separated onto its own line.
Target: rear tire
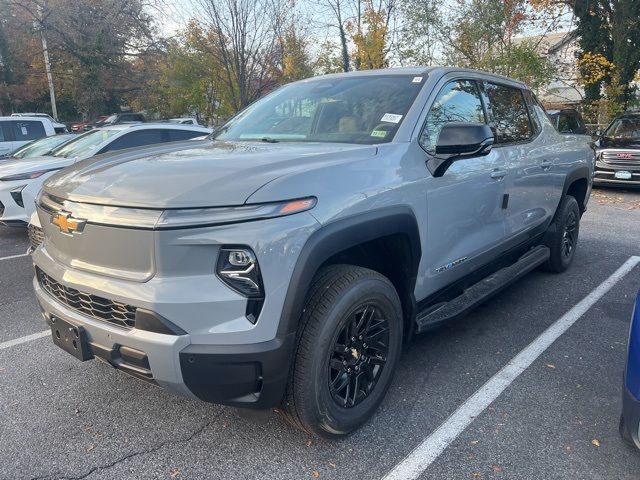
{"x": 348, "y": 347}
{"x": 562, "y": 237}
{"x": 626, "y": 438}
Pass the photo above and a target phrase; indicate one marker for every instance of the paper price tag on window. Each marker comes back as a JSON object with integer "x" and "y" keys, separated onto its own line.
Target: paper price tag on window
{"x": 416, "y": 80}
{"x": 23, "y": 129}
{"x": 391, "y": 118}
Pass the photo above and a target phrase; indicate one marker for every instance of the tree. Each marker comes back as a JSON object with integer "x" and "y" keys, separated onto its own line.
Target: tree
{"x": 487, "y": 35}
{"x": 93, "y": 45}
{"x": 609, "y": 39}
{"x": 370, "y": 34}
{"x": 420, "y": 33}
{"x": 244, "y": 43}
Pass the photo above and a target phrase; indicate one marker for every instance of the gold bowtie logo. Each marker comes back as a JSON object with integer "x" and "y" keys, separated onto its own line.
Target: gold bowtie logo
{"x": 66, "y": 223}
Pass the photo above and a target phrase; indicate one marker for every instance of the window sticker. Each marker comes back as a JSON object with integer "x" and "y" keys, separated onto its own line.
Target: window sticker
{"x": 391, "y": 118}
{"x": 379, "y": 133}
{"x": 23, "y": 129}
{"x": 416, "y": 80}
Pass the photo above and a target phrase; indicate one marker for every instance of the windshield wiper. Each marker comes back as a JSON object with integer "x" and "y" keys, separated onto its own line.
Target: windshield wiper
{"x": 269, "y": 140}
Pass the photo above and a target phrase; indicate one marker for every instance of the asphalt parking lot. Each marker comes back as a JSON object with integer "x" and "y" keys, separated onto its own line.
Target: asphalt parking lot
{"x": 556, "y": 418}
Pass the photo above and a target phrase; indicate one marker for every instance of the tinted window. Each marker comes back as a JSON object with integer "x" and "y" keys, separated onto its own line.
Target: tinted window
{"x": 131, "y": 117}
{"x": 624, "y": 127}
{"x": 135, "y": 139}
{"x": 2, "y": 131}
{"x": 27, "y": 130}
{"x": 458, "y": 101}
{"x": 177, "y": 135}
{"x": 567, "y": 123}
{"x": 510, "y": 117}
{"x": 365, "y": 110}
{"x": 85, "y": 144}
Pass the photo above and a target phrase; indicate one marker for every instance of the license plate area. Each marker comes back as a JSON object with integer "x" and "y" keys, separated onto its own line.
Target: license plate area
{"x": 71, "y": 338}
{"x": 622, "y": 175}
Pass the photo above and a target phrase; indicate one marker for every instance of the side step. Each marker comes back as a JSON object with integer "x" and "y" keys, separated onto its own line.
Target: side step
{"x": 478, "y": 293}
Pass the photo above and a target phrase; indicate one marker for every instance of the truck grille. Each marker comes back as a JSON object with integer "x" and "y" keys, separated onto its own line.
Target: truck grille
{"x": 36, "y": 236}
{"x": 91, "y": 305}
{"x": 622, "y": 158}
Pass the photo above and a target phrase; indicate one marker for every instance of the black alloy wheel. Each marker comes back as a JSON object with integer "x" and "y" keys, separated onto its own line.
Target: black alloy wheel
{"x": 358, "y": 356}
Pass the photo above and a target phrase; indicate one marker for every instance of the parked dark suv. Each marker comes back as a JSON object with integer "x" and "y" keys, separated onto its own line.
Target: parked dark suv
{"x": 568, "y": 120}
{"x": 618, "y": 155}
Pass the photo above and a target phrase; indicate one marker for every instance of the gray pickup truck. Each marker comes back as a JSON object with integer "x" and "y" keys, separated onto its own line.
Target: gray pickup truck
{"x": 284, "y": 263}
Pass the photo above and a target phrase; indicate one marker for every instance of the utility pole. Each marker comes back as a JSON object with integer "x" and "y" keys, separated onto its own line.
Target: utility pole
{"x": 45, "y": 51}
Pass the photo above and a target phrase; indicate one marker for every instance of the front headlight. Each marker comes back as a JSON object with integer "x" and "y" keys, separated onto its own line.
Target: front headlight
{"x": 28, "y": 175}
{"x": 201, "y": 217}
{"x": 154, "y": 219}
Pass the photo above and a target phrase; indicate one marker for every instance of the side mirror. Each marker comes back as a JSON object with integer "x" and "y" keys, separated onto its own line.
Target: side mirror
{"x": 457, "y": 141}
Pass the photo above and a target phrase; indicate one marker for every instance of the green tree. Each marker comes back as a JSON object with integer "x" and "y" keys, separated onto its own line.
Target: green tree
{"x": 609, "y": 31}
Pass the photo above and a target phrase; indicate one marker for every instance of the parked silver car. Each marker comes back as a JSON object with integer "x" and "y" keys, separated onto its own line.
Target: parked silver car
{"x": 285, "y": 262}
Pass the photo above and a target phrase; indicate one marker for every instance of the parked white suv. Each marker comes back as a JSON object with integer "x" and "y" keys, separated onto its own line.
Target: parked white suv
{"x": 18, "y": 131}
{"x": 58, "y": 127}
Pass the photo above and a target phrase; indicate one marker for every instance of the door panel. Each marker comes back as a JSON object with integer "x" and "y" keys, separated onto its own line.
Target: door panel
{"x": 528, "y": 183}
{"x": 465, "y": 221}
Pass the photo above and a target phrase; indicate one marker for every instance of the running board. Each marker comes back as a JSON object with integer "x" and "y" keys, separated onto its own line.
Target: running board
{"x": 478, "y": 293}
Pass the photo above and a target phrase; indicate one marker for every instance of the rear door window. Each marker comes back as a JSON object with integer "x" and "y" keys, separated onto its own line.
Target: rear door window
{"x": 510, "y": 117}
{"x": 458, "y": 101}
{"x": 135, "y": 139}
{"x": 2, "y": 136}
{"x": 25, "y": 130}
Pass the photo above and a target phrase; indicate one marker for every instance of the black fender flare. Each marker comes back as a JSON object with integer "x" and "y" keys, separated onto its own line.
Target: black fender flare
{"x": 338, "y": 236}
{"x": 577, "y": 174}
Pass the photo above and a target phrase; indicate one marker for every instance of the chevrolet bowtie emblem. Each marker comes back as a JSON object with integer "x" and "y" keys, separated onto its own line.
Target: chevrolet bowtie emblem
{"x": 66, "y": 223}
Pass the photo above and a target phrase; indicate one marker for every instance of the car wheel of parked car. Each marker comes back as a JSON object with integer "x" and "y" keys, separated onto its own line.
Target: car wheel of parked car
{"x": 349, "y": 344}
{"x": 626, "y": 438}
{"x": 563, "y": 235}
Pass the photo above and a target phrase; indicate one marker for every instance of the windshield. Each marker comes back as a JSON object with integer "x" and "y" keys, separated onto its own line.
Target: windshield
{"x": 41, "y": 147}
{"x": 626, "y": 127}
{"x": 84, "y": 144}
{"x": 363, "y": 110}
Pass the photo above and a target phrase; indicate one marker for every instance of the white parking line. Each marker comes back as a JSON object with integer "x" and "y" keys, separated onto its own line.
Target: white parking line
{"x": 430, "y": 449}
{"x": 15, "y": 256}
{"x": 25, "y": 339}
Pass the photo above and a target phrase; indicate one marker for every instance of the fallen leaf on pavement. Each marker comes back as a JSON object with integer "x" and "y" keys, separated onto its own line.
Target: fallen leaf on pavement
{"x": 595, "y": 442}
{"x": 551, "y": 366}
{"x": 91, "y": 446}
{"x": 315, "y": 474}
{"x": 174, "y": 473}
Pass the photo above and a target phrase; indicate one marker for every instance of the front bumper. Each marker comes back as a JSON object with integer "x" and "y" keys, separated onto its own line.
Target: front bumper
{"x": 211, "y": 350}
{"x": 252, "y": 376}
{"x": 631, "y": 415}
{"x": 605, "y": 174}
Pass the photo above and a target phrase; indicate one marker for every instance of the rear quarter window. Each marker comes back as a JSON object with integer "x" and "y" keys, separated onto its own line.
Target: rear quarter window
{"x": 177, "y": 135}
{"x": 135, "y": 139}
{"x": 24, "y": 131}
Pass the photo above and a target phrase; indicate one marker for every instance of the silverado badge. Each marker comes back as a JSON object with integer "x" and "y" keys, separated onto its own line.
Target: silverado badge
{"x": 66, "y": 223}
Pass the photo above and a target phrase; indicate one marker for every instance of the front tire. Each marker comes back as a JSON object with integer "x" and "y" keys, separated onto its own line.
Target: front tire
{"x": 562, "y": 237}
{"x": 349, "y": 344}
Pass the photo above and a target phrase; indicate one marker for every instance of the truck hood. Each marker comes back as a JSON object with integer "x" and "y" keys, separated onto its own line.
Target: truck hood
{"x": 17, "y": 166}
{"x": 209, "y": 175}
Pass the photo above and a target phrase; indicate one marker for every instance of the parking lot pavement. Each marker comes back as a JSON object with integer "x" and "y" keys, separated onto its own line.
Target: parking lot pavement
{"x": 60, "y": 418}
